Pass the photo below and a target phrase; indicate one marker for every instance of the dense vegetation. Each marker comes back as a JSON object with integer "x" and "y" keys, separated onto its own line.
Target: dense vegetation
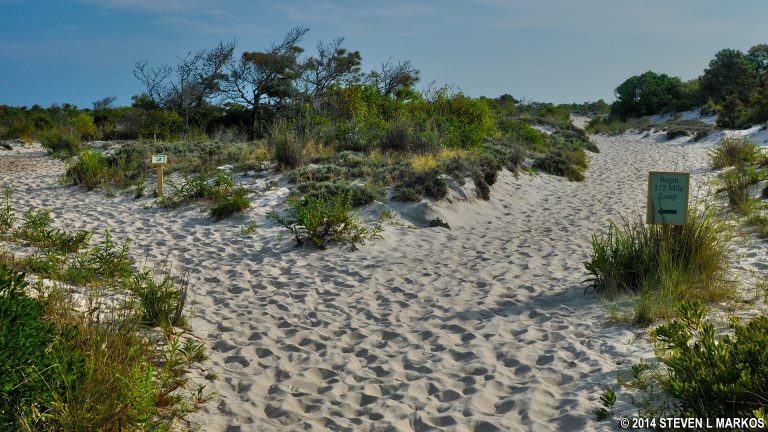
{"x": 69, "y": 366}
{"x": 734, "y": 85}
{"x": 711, "y": 378}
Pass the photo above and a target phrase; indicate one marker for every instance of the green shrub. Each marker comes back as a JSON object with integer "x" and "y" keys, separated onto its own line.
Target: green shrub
{"x": 358, "y": 135}
{"x": 59, "y": 142}
{"x": 429, "y": 183}
{"x": 734, "y": 151}
{"x": 230, "y": 205}
{"x": 360, "y": 194}
{"x": 160, "y": 304}
{"x": 523, "y": 133}
{"x": 725, "y": 378}
{"x": 48, "y": 264}
{"x": 36, "y": 230}
{"x": 89, "y": 169}
{"x": 324, "y": 221}
{"x": 663, "y": 264}
{"x": 568, "y": 164}
{"x": 105, "y": 261}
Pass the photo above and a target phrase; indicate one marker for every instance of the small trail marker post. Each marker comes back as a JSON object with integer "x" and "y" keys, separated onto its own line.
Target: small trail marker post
{"x": 668, "y": 198}
{"x": 159, "y": 161}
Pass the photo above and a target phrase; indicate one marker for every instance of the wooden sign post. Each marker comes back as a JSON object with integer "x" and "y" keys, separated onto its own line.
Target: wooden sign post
{"x": 159, "y": 161}
{"x": 667, "y": 198}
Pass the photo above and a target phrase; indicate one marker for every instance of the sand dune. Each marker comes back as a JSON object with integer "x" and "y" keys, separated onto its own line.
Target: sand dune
{"x": 482, "y": 327}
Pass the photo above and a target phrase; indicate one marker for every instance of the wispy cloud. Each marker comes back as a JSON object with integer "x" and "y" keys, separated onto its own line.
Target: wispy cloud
{"x": 226, "y": 17}
{"x": 178, "y": 6}
{"x": 345, "y": 15}
{"x": 604, "y": 17}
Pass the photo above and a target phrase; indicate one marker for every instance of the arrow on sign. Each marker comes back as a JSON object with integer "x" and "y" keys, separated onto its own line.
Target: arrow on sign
{"x": 663, "y": 212}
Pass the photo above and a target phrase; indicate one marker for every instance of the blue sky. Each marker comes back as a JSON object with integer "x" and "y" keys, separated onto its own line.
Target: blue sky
{"x": 78, "y": 51}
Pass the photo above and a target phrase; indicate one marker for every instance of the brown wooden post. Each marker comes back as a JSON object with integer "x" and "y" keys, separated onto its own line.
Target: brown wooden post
{"x": 159, "y": 162}
{"x": 159, "y": 180}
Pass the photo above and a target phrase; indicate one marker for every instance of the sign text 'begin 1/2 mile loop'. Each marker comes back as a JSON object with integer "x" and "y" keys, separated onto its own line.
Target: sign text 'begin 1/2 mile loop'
{"x": 667, "y": 197}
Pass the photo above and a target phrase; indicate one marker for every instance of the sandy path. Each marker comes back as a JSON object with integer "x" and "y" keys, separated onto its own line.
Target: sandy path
{"x": 483, "y": 327}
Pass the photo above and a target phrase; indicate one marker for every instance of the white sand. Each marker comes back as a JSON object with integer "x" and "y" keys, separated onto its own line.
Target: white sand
{"x": 694, "y": 114}
{"x": 482, "y": 327}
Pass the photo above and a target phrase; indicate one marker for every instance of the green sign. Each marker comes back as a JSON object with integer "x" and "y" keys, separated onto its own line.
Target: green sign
{"x": 667, "y": 198}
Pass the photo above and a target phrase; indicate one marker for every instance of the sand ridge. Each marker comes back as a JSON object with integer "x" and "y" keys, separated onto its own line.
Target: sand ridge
{"x": 482, "y": 327}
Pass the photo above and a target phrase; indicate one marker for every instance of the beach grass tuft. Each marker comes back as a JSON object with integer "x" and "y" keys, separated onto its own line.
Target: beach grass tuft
{"x": 662, "y": 265}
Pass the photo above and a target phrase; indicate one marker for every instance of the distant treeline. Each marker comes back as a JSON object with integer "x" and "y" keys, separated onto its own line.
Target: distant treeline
{"x": 734, "y": 85}
{"x": 215, "y": 94}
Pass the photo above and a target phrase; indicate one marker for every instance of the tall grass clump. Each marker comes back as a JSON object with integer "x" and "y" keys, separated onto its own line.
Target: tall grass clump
{"x": 7, "y": 215}
{"x": 89, "y": 169}
{"x": 734, "y": 151}
{"x": 736, "y": 185}
{"x": 287, "y": 146}
{"x": 322, "y": 221}
{"x": 662, "y": 264}
{"x": 161, "y": 304}
{"x": 715, "y": 378}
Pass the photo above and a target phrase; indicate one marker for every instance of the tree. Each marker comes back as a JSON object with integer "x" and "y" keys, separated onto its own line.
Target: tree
{"x": 333, "y": 65}
{"x": 729, "y": 73}
{"x": 757, "y": 57}
{"x": 266, "y": 78}
{"x": 390, "y": 78}
{"x": 186, "y": 87}
{"x": 646, "y": 94}
{"x": 731, "y": 113}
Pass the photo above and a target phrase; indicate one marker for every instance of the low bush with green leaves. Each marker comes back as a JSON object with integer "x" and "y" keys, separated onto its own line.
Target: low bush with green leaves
{"x": 566, "y": 163}
{"x": 36, "y": 366}
{"x": 89, "y": 169}
{"x": 663, "y": 264}
{"x": 107, "y": 260}
{"x": 36, "y": 230}
{"x": 711, "y": 377}
{"x": 220, "y": 191}
{"x": 64, "y": 371}
{"x": 324, "y": 221}
{"x": 229, "y": 205}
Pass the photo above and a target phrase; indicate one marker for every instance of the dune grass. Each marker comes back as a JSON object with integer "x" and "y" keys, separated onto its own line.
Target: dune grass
{"x": 661, "y": 265}
{"x": 734, "y": 151}
{"x": 746, "y": 166}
